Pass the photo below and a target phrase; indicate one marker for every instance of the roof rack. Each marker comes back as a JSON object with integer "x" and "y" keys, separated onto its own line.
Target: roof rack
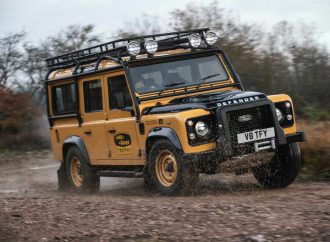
{"x": 117, "y": 48}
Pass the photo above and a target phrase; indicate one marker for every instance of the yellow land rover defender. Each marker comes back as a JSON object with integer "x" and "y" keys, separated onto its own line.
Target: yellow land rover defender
{"x": 165, "y": 108}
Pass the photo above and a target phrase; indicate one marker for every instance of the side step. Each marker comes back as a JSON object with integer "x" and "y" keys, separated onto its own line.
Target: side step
{"x": 129, "y": 174}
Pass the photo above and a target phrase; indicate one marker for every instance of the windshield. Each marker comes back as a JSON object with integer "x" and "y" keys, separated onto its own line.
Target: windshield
{"x": 180, "y": 73}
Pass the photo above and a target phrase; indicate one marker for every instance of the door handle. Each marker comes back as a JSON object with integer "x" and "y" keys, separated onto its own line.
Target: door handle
{"x": 111, "y": 131}
{"x": 88, "y": 132}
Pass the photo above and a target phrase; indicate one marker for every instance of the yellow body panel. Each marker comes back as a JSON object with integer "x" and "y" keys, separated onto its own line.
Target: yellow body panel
{"x": 281, "y": 98}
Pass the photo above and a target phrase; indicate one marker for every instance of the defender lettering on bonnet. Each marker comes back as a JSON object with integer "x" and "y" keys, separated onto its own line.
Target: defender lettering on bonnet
{"x": 240, "y": 100}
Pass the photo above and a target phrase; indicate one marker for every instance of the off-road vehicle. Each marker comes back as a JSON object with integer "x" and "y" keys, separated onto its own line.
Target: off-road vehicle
{"x": 165, "y": 108}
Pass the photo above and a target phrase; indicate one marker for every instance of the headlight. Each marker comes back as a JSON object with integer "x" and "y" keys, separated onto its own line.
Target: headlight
{"x": 133, "y": 48}
{"x": 151, "y": 46}
{"x": 211, "y": 38}
{"x": 279, "y": 114}
{"x": 195, "y": 40}
{"x": 202, "y": 129}
{"x": 284, "y": 112}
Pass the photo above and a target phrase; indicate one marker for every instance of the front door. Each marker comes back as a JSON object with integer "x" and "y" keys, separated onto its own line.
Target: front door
{"x": 121, "y": 125}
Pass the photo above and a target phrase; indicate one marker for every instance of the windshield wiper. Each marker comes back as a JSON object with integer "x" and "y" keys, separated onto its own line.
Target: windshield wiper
{"x": 174, "y": 84}
{"x": 203, "y": 79}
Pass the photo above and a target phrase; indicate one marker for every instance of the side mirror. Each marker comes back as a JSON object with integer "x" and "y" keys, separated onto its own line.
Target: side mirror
{"x": 129, "y": 109}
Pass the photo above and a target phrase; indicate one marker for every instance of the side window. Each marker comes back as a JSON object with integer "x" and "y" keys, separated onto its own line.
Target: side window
{"x": 64, "y": 99}
{"x": 93, "y": 96}
{"x": 118, "y": 92}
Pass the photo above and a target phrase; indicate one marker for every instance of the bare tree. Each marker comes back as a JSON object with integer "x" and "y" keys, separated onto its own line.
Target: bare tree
{"x": 10, "y": 57}
{"x": 74, "y": 37}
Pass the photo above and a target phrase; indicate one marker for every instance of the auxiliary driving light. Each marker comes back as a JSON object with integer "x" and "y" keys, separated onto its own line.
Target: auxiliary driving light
{"x": 151, "y": 46}
{"x": 133, "y": 48}
{"x": 211, "y": 38}
{"x": 195, "y": 40}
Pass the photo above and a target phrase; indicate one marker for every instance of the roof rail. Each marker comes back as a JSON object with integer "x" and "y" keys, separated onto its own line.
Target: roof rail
{"x": 117, "y": 48}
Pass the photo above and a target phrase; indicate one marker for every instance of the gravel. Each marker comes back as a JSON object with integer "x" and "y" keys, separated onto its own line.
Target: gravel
{"x": 221, "y": 208}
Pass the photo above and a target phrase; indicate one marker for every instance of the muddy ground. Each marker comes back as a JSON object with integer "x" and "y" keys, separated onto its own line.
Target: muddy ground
{"x": 221, "y": 208}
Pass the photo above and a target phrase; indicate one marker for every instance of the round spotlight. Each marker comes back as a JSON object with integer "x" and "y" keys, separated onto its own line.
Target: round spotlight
{"x": 133, "y": 48}
{"x": 211, "y": 38}
{"x": 151, "y": 46}
{"x": 195, "y": 40}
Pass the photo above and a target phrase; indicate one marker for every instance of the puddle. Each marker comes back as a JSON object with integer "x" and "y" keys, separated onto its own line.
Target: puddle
{"x": 43, "y": 167}
{"x": 9, "y": 191}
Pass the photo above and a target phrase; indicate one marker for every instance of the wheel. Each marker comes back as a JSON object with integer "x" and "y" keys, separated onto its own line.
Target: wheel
{"x": 170, "y": 174}
{"x": 82, "y": 178}
{"x": 282, "y": 170}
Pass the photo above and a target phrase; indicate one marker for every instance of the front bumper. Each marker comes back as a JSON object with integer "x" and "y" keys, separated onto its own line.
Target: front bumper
{"x": 297, "y": 137}
{"x": 220, "y": 153}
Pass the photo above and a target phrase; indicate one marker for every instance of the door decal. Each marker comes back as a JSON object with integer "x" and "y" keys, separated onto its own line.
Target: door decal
{"x": 123, "y": 143}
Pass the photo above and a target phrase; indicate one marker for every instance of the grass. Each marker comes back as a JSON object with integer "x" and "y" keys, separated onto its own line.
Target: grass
{"x": 316, "y": 149}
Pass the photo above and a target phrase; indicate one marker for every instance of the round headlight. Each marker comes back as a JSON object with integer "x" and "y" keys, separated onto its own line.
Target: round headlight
{"x": 279, "y": 115}
{"x": 133, "y": 48}
{"x": 151, "y": 46}
{"x": 195, "y": 40}
{"x": 201, "y": 129}
{"x": 211, "y": 38}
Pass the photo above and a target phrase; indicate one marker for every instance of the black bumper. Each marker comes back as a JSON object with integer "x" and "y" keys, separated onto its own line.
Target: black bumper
{"x": 297, "y": 137}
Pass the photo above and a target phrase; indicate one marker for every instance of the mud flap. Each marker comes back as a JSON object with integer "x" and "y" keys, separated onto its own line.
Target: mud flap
{"x": 62, "y": 178}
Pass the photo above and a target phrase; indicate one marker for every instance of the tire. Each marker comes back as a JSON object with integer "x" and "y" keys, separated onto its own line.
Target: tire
{"x": 169, "y": 173}
{"x": 282, "y": 170}
{"x": 81, "y": 176}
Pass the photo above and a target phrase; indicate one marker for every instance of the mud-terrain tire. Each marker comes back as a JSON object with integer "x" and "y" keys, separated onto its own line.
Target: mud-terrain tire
{"x": 283, "y": 168}
{"x": 81, "y": 176}
{"x": 169, "y": 172}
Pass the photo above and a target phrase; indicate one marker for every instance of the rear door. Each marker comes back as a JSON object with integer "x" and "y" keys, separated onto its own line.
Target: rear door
{"x": 94, "y": 116}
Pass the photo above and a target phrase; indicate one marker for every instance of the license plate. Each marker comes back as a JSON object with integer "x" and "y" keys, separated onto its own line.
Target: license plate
{"x": 256, "y": 134}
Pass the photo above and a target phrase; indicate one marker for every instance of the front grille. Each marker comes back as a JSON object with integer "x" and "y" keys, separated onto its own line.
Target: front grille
{"x": 261, "y": 118}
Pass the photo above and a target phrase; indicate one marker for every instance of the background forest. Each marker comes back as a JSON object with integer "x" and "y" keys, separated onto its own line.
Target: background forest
{"x": 287, "y": 59}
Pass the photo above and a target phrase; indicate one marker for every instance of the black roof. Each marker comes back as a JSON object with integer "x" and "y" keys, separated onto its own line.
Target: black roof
{"x": 117, "y": 48}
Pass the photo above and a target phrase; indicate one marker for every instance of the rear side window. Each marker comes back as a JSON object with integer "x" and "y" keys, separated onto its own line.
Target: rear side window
{"x": 93, "y": 96}
{"x": 64, "y": 99}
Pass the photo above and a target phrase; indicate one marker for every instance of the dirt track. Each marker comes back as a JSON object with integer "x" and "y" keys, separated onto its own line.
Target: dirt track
{"x": 222, "y": 207}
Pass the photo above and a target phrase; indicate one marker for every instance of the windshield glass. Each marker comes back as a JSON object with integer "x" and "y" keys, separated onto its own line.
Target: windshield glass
{"x": 180, "y": 73}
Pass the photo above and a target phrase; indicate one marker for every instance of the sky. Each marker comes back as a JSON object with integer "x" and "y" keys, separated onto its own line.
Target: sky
{"x": 41, "y": 18}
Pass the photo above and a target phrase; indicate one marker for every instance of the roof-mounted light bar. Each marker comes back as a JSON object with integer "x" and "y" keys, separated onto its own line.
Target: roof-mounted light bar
{"x": 151, "y": 46}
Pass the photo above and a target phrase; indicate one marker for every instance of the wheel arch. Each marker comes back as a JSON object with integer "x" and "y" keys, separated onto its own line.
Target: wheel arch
{"x": 162, "y": 133}
{"x": 79, "y": 143}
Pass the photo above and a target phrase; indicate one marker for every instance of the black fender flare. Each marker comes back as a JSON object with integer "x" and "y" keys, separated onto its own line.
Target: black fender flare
{"x": 167, "y": 133}
{"x": 79, "y": 143}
